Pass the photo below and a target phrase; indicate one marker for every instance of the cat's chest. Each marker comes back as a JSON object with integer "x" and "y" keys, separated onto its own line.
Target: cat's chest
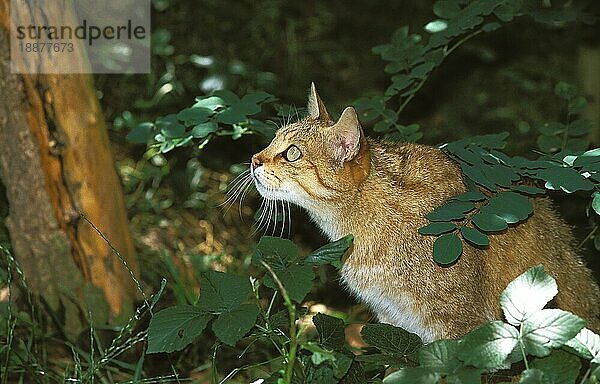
{"x": 328, "y": 225}
{"x": 393, "y": 303}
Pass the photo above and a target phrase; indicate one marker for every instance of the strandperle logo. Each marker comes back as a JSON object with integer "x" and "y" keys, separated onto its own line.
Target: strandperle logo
{"x": 79, "y": 36}
{"x": 86, "y": 32}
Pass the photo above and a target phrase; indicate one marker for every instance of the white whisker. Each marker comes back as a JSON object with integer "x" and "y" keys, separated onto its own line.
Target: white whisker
{"x": 289, "y": 219}
{"x": 238, "y": 192}
{"x": 283, "y": 219}
{"x": 275, "y": 218}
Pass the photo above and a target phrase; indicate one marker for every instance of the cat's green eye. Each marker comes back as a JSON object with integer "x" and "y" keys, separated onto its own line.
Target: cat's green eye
{"x": 293, "y": 153}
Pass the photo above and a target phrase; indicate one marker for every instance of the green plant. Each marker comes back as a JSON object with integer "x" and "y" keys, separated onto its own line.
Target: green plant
{"x": 550, "y": 342}
{"x": 236, "y": 306}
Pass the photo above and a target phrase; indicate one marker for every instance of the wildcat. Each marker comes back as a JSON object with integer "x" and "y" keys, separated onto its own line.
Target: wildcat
{"x": 380, "y": 192}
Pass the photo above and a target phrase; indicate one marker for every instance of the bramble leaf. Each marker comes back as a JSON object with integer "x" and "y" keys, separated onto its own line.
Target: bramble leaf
{"x": 587, "y": 345}
{"x": 231, "y": 326}
{"x": 222, "y": 292}
{"x": 549, "y": 328}
{"x": 277, "y": 252}
{"x": 489, "y": 345}
{"x": 173, "y": 328}
{"x": 440, "y": 356}
{"x": 330, "y": 330}
{"x": 559, "y": 367}
{"x": 331, "y": 253}
{"x": 527, "y": 294}
{"x": 296, "y": 279}
{"x": 391, "y": 340}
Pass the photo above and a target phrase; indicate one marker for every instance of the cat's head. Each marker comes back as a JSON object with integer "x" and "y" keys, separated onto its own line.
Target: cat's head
{"x": 313, "y": 160}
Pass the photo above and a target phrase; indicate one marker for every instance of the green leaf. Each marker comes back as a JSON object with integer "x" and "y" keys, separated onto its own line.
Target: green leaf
{"x": 436, "y": 26}
{"x": 275, "y": 251}
{"x": 231, "y": 326}
{"x": 580, "y": 127}
{"x": 504, "y": 13}
{"x": 567, "y": 179}
{"x": 474, "y": 237}
{"x": 528, "y": 189}
{"x": 527, "y": 294}
{"x": 437, "y": 228}
{"x": 391, "y": 340}
{"x": 296, "y": 279}
{"x": 577, "y": 144}
{"x": 210, "y": 102}
{"x": 222, "y": 292}
{"x": 476, "y": 175}
{"x": 447, "y": 249}
{"x": 549, "y": 143}
{"x": 257, "y": 98}
{"x": 141, "y": 133}
{"x": 465, "y": 375}
{"x": 565, "y": 90}
{"x": 489, "y": 345}
{"x": 340, "y": 362}
{"x": 232, "y": 115}
{"x": 549, "y": 328}
{"x": 534, "y": 376}
{"x": 331, "y": 253}
{"x": 331, "y": 331}
{"x": 440, "y": 356}
{"x": 318, "y": 374}
{"x": 559, "y": 367}
{"x": 500, "y": 175}
{"x": 470, "y": 196}
{"x": 446, "y": 9}
{"x": 227, "y": 96}
{"x": 587, "y": 345}
{"x": 452, "y": 210}
{"x": 489, "y": 222}
{"x": 416, "y": 375}
{"x": 596, "y": 202}
{"x": 173, "y": 328}
{"x": 489, "y": 27}
{"x": 509, "y": 206}
{"x": 195, "y": 115}
{"x": 202, "y": 130}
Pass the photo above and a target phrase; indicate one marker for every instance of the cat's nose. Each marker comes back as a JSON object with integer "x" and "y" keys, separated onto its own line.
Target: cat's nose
{"x": 256, "y": 162}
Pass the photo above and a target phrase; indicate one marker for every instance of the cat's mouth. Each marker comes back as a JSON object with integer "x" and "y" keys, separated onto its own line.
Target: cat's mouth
{"x": 266, "y": 188}
{"x": 261, "y": 185}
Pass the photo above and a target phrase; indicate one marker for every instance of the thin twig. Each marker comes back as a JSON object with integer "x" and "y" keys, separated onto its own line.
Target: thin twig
{"x": 125, "y": 263}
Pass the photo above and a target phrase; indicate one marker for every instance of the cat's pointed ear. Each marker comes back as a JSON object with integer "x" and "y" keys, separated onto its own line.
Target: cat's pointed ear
{"x": 316, "y": 108}
{"x": 346, "y": 136}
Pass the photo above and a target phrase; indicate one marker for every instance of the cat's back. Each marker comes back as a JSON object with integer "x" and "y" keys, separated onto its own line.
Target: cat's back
{"x": 415, "y": 173}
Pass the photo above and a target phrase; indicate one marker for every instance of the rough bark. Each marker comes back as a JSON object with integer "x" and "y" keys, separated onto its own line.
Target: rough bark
{"x": 56, "y": 161}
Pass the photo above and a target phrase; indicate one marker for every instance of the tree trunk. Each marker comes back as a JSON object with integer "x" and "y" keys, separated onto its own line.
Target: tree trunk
{"x": 55, "y": 161}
